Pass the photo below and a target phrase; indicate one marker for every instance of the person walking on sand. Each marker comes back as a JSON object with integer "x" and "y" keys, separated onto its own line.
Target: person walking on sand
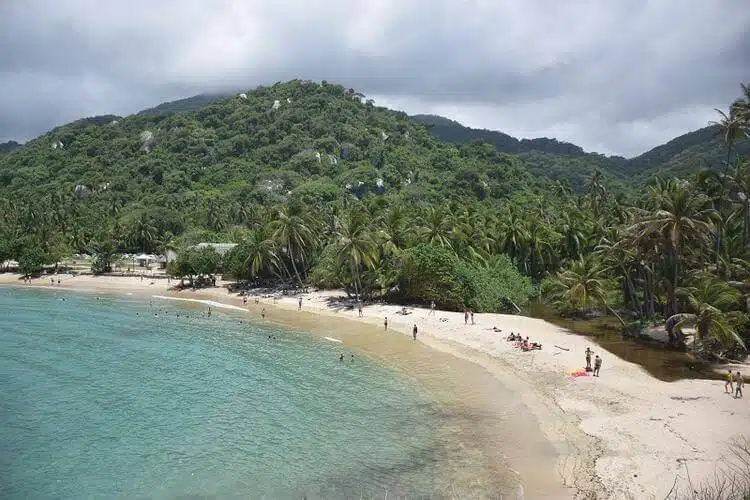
{"x": 589, "y": 352}
{"x": 263, "y": 313}
{"x": 414, "y": 333}
{"x": 597, "y": 365}
{"x": 359, "y": 308}
{"x": 471, "y": 313}
{"x": 738, "y": 383}
{"x": 432, "y": 309}
{"x": 728, "y": 385}
{"x": 466, "y": 316}
{"x": 385, "y": 323}
{"x": 299, "y": 304}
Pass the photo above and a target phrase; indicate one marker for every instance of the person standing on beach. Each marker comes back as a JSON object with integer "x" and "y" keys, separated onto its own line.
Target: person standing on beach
{"x": 299, "y": 304}
{"x": 263, "y": 313}
{"x": 414, "y": 333}
{"x": 432, "y": 309}
{"x": 597, "y": 365}
{"x": 466, "y": 316}
{"x": 471, "y": 313}
{"x": 359, "y": 307}
{"x": 589, "y": 352}
{"x": 385, "y": 323}
{"x": 738, "y": 382}
{"x": 728, "y": 384}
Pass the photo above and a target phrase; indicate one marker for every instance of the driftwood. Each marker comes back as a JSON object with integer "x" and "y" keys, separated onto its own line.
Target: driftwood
{"x": 563, "y": 348}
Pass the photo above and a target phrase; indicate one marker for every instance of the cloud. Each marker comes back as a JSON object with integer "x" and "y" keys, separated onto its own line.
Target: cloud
{"x": 615, "y": 77}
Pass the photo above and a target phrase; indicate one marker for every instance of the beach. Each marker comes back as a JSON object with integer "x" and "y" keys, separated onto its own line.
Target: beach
{"x": 624, "y": 434}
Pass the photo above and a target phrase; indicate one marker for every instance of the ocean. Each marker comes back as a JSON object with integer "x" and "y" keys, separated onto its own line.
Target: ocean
{"x": 131, "y": 397}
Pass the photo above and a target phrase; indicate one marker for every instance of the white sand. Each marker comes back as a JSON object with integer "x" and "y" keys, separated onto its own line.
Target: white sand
{"x": 622, "y": 435}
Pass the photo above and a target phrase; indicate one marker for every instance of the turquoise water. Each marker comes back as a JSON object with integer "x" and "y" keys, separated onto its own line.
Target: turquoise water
{"x": 103, "y": 399}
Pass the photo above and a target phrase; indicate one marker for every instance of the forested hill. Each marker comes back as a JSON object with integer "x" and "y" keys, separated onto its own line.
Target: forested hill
{"x": 295, "y": 140}
{"x": 7, "y": 147}
{"x": 682, "y": 156}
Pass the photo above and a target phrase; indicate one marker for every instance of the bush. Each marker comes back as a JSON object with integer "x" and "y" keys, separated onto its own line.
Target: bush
{"x": 433, "y": 273}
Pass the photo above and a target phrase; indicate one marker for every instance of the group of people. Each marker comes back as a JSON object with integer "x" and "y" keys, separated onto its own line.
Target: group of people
{"x": 734, "y": 383}
{"x": 523, "y": 343}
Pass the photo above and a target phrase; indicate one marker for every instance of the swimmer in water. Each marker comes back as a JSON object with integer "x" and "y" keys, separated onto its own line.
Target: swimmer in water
{"x": 341, "y": 358}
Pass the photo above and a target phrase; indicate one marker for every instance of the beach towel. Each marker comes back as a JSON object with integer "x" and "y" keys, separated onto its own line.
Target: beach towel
{"x": 580, "y": 372}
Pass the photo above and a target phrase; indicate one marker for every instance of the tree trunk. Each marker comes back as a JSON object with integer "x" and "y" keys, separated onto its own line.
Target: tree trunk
{"x": 746, "y": 221}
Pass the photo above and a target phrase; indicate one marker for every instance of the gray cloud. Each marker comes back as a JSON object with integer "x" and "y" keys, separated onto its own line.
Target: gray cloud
{"x": 615, "y": 77}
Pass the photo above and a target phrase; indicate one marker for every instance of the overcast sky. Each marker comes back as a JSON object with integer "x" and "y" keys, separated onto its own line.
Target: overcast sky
{"x": 613, "y": 76}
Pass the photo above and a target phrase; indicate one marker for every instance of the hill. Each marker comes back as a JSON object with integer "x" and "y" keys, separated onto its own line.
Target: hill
{"x": 547, "y": 157}
{"x": 689, "y": 153}
{"x": 680, "y": 157}
{"x": 7, "y": 147}
{"x": 297, "y": 140}
{"x": 187, "y": 105}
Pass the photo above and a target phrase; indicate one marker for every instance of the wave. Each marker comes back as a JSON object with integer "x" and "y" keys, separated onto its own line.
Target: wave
{"x": 212, "y": 303}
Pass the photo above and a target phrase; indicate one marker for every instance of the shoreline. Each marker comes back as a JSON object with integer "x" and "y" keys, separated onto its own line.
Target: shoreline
{"x": 622, "y": 435}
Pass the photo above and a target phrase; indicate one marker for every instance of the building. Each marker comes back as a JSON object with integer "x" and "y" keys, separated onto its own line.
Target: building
{"x": 221, "y": 248}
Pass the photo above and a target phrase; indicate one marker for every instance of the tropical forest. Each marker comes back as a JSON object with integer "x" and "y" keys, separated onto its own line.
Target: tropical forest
{"x": 318, "y": 186}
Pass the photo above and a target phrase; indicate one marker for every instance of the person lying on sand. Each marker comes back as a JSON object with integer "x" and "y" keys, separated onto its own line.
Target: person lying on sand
{"x": 404, "y": 311}
{"x": 513, "y": 337}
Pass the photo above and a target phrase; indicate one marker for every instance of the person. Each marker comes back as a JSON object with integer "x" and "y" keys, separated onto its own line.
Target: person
{"x": 341, "y": 358}
{"x": 728, "y": 385}
{"x": 597, "y": 365}
{"x": 471, "y": 312}
{"x": 299, "y": 304}
{"x": 466, "y": 316}
{"x": 209, "y": 311}
{"x": 432, "y": 309}
{"x": 359, "y": 307}
{"x": 414, "y": 332}
{"x": 738, "y": 382}
{"x": 385, "y": 323}
{"x": 263, "y": 313}
{"x": 244, "y": 300}
{"x": 589, "y": 352}
{"x": 352, "y": 358}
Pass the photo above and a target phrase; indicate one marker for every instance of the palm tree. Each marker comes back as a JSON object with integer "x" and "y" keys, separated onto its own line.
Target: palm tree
{"x": 513, "y": 236}
{"x": 293, "y": 231}
{"x": 707, "y": 301}
{"x": 143, "y": 233}
{"x": 739, "y": 184}
{"x": 596, "y": 191}
{"x": 355, "y": 246}
{"x": 681, "y": 215}
{"x": 261, "y": 252}
{"x": 731, "y": 128}
{"x": 436, "y": 226}
{"x": 584, "y": 285}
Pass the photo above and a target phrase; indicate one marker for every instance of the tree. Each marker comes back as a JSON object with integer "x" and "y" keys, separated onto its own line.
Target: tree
{"x": 707, "y": 301}
{"x": 354, "y": 244}
{"x": 681, "y": 215}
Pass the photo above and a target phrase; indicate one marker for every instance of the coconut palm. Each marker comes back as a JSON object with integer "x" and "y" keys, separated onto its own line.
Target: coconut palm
{"x": 681, "y": 215}
{"x": 261, "y": 253}
{"x": 707, "y": 300}
{"x": 294, "y": 231}
{"x": 355, "y": 246}
{"x": 584, "y": 285}
{"x": 436, "y": 227}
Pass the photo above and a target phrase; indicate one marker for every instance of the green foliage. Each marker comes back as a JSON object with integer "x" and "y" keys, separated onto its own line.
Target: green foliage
{"x": 103, "y": 258}
{"x": 195, "y": 262}
{"x": 431, "y": 272}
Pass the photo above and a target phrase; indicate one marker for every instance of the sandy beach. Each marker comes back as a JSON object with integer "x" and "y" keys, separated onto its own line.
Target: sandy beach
{"x": 622, "y": 435}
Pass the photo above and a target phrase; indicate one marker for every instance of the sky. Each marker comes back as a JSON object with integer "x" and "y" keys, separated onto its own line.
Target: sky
{"x": 613, "y": 76}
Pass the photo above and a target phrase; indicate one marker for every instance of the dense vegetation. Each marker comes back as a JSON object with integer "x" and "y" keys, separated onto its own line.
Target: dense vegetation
{"x": 320, "y": 186}
{"x": 702, "y": 149}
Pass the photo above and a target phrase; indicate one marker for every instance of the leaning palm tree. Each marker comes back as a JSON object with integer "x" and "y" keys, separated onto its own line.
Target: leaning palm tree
{"x": 707, "y": 300}
{"x": 355, "y": 246}
{"x": 436, "y": 227}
